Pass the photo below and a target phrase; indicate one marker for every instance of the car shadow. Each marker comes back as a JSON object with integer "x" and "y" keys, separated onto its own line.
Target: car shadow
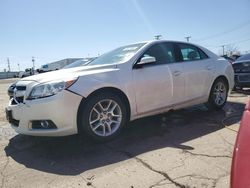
{"x": 74, "y": 155}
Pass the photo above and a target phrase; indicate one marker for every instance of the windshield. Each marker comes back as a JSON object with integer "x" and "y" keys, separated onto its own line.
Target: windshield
{"x": 244, "y": 57}
{"x": 78, "y": 63}
{"x": 119, "y": 55}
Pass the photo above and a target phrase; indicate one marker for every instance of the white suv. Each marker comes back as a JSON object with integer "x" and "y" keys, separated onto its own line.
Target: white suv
{"x": 130, "y": 82}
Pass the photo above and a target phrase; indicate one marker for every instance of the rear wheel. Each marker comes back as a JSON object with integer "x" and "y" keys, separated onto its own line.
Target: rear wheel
{"x": 218, "y": 94}
{"x": 103, "y": 116}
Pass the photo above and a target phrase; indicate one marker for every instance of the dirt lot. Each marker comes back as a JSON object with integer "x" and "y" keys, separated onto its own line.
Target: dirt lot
{"x": 187, "y": 148}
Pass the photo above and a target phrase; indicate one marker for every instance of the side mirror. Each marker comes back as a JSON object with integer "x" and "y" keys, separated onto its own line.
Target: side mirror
{"x": 147, "y": 60}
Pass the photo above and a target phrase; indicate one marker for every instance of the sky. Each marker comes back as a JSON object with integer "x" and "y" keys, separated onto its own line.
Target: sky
{"x": 50, "y": 30}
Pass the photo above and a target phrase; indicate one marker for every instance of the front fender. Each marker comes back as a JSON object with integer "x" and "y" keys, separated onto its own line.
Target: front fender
{"x": 84, "y": 86}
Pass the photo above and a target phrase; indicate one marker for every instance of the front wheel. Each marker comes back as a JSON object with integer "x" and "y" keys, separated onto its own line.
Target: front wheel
{"x": 103, "y": 116}
{"x": 218, "y": 95}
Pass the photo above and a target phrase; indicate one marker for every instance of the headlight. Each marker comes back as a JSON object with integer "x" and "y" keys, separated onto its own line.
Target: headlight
{"x": 49, "y": 89}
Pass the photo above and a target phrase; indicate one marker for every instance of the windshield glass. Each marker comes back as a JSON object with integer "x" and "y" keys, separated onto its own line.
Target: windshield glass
{"x": 244, "y": 57}
{"x": 119, "y": 55}
{"x": 78, "y": 63}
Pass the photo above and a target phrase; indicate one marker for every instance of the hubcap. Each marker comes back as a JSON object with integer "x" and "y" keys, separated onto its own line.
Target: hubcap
{"x": 220, "y": 93}
{"x": 105, "y": 117}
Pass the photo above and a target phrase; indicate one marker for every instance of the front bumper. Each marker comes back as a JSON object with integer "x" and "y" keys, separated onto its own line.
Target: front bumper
{"x": 61, "y": 109}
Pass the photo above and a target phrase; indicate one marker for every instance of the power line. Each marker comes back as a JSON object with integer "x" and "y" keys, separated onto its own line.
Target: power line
{"x": 224, "y": 32}
{"x": 232, "y": 43}
{"x": 240, "y": 41}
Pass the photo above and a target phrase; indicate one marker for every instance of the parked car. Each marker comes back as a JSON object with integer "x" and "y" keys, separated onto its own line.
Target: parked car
{"x": 242, "y": 71}
{"x": 78, "y": 63}
{"x": 241, "y": 164}
{"x": 130, "y": 82}
{"x": 27, "y": 72}
{"x": 57, "y": 65}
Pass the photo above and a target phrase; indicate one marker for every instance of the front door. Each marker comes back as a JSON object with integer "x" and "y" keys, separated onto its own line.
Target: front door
{"x": 156, "y": 84}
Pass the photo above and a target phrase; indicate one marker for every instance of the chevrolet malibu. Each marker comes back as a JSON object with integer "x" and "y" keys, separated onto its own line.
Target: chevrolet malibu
{"x": 130, "y": 82}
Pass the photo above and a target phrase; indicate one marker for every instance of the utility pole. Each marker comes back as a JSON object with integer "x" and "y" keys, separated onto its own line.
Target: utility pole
{"x": 187, "y": 38}
{"x": 33, "y": 61}
{"x": 157, "y": 37}
{"x": 8, "y": 62}
{"x": 223, "y": 49}
{"x": 18, "y": 67}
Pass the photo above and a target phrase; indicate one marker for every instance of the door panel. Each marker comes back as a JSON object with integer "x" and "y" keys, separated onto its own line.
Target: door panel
{"x": 153, "y": 88}
{"x": 178, "y": 80}
{"x": 160, "y": 84}
{"x": 198, "y": 77}
{"x": 198, "y": 70}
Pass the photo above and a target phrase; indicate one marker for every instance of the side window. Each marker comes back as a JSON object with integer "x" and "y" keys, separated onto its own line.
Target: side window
{"x": 203, "y": 55}
{"x": 163, "y": 53}
{"x": 191, "y": 53}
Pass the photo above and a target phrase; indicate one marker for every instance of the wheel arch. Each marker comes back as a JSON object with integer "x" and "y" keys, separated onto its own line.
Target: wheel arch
{"x": 117, "y": 91}
{"x": 210, "y": 103}
{"x": 223, "y": 77}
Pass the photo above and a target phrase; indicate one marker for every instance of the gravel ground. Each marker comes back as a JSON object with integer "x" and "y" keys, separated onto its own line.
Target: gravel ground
{"x": 191, "y": 148}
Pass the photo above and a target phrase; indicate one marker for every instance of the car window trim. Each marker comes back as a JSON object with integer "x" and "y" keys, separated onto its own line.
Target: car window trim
{"x": 180, "y": 54}
{"x": 142, "y": 53}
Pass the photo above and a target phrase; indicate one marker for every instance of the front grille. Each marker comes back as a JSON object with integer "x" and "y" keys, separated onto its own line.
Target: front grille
{"x": 244, "y": 78}
{"x": 236, "y": 78}
{"x": 19, "y": 99}
{"x": 243, "y": 67}
{"x": 18, "y": 96}
{"x": 21, "y": 88}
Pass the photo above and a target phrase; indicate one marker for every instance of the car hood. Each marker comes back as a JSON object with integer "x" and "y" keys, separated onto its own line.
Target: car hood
{"x": 71, "y": 73}
{"x": 242, "y": 61}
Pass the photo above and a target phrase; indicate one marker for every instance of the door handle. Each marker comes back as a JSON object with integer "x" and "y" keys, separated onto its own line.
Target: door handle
{"x": 177, "y": 73}
{"x": 209, "y": 67}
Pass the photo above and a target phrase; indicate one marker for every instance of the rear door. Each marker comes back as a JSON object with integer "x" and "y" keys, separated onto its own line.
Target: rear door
{"x": 198, "y": 71}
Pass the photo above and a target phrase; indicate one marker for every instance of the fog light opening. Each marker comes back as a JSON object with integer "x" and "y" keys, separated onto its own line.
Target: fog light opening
{"x": 43, "y": 124}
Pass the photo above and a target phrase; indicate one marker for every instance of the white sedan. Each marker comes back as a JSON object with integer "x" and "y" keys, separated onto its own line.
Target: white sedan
{"x": 130, "y": 82}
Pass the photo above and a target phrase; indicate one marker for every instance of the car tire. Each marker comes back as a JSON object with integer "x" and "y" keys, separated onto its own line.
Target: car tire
{"x": 103, "y": 116}
{"x": 218, "y": 95}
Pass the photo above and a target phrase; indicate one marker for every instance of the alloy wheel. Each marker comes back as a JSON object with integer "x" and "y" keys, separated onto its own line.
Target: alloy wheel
{"x": 105, "y": 117}
{"x": 220, "y": 93}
